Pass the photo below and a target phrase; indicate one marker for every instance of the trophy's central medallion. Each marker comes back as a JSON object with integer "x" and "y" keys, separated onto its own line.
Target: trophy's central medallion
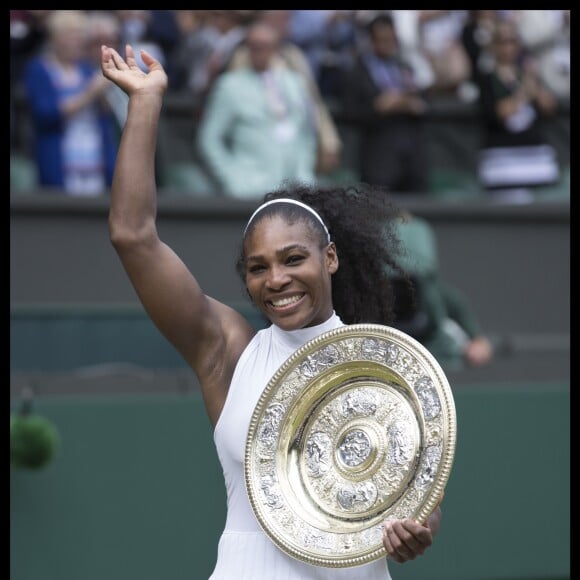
{"x": 356, "y": 427}
{"x": 355, "y": 448}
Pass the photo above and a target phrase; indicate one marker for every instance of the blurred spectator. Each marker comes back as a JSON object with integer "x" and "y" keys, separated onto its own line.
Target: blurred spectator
{"x": 207, "y": 47}
{"x": 27, "y": 36}
{"x": 408, "y": 32}
{"x": 135, "y": 31}
{"x": 257, "y": 126}
{"x": 440, "y": 34}
{"x": 545, "y": 35}
{"x": 406, "y": 24}
{"x": 192, "y": 50}
{"x": 380, "y": 92}
{"x": 476, "y": 38}
{"x": 291, "y": 55}
{"x": 198, "y": 37}
{"x": 436, "y": 314}
{"x": 231, "y": 26}
{"x": 328, "y": 39}
{"x": 75, "y": 142}
{"x": 515, "y": 154}
{"x": 156, "y": 31}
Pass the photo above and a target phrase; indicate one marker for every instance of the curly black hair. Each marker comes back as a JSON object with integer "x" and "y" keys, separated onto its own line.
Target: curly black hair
{"x": 358, "y": 218}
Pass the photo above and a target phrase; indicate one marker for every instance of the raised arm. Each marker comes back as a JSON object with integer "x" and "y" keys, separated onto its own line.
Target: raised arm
{"x": 209, "y": 335}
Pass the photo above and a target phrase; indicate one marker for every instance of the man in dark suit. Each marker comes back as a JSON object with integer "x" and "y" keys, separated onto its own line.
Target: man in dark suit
{"x": 380, "y": 93}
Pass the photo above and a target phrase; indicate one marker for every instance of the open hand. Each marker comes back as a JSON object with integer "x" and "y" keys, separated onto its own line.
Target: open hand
{"x": 126, "y": 72}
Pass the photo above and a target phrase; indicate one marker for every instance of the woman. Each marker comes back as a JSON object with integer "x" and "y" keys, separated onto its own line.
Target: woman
{"x": 516, "y": 156}
{"x": 75, "y": 137}
{"x": 290, "y": 266}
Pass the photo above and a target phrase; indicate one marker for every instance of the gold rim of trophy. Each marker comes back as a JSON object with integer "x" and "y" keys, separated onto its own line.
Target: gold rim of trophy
{"x": 358, "y": 426}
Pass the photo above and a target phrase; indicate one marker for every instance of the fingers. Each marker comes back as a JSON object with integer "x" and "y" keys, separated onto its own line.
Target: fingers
{"x": 405, "y": 539}
{"x": 130, "y": 61}
{"x": 105, "y": 57}
{"x": 130, "y": 56}
{"x": 111, "y": 58}
{"x": 120, "y": 64}
{"x": 151, "y": 63}
{"x": 147, "y": 59}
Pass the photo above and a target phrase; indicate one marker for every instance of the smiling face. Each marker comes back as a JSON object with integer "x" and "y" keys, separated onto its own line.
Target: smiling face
{"x": 288, "y": 274}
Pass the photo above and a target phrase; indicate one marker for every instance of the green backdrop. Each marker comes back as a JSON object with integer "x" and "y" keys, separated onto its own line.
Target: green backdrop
{"x": 135, "y": 491}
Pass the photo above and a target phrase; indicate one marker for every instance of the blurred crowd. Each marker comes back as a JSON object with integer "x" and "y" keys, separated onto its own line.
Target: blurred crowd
{"x": 261, "y": 89}
{"x": 262, "y": 86}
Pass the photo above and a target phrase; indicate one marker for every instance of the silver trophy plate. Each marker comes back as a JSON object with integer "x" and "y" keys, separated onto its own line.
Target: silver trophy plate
{"x": 357, "y": 427}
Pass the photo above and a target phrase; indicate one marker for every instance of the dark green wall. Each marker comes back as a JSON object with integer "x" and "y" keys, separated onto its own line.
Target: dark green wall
{"x": 513, "y": 262}
{"x": 136, "y": 492}
{"x": 45, "y": 338}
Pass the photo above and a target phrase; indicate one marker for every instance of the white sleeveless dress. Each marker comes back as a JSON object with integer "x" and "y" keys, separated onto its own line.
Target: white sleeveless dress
{"x": 245, "y": 552}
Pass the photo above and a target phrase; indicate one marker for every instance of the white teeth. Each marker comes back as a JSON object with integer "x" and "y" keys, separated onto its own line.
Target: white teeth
{"x": 285, "y": 301}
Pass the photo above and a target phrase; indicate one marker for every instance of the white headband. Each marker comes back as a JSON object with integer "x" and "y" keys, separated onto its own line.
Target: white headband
{"x": 288, "y": 200}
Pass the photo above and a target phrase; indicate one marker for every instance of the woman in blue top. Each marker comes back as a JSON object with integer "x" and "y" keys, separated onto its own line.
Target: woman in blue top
{"x": 75, "y": 137}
